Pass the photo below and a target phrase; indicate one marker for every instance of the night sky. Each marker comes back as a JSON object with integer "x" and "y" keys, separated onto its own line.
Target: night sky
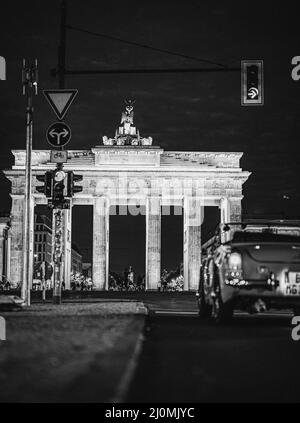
{"x": 184, "y": 111}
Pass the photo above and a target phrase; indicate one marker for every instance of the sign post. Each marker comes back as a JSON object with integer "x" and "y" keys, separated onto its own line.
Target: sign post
{"x": 58, "y": 135}
{"x": 57, "y": 240}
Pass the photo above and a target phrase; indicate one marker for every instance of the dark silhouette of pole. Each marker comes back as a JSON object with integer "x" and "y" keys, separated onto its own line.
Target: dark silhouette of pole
{"x": 62, "y": 46}
{"x": 58, "y": 216}
{"x": 29, "y": 82}
{"x": 57, "y": 229}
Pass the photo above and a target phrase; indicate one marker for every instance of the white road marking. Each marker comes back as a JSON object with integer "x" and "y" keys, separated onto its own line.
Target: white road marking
{"x": 266, "y": 314}
{"x": 175, "y": 312}
{"x": 127, "y": 377}
{"x": 236, "y": 314}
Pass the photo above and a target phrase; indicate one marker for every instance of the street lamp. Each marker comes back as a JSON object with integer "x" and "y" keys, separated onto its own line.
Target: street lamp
{"x": 29, "y": 85}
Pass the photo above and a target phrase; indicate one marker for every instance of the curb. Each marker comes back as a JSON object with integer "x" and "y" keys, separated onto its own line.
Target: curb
{"x": 141, "y": 309}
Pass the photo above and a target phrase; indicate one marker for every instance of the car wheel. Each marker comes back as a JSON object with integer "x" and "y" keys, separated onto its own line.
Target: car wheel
{"x": 221, "y": 311}
{"x": 204, "y": 308}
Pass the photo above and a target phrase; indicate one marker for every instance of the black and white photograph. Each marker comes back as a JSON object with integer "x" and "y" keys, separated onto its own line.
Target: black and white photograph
{"x": 149, "y": 205}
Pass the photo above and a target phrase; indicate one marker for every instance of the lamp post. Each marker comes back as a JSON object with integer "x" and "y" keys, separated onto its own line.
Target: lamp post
{"x": 29, "y": 83}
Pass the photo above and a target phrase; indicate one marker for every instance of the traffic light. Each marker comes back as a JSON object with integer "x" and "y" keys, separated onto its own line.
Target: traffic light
{"x": 252, "y": 82}
{"x": 47, "y": 187}
{"x": 72, "y": 188}
{"x": 59, "y": 177}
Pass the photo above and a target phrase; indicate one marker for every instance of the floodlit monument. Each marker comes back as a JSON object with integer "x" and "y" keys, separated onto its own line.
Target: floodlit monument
{"x": 128, "y": 170}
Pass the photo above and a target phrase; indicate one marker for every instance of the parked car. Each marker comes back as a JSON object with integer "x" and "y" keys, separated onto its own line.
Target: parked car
{"x": 252, "y": 271}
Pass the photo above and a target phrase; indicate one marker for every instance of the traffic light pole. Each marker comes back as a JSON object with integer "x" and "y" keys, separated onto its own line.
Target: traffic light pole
{"x": 58, "y": 214}
{"x": 62, "y": 46}
{"x": 57, "y": 256}
{"x": 63, "y": 189}
{"x": 29, "y": 81}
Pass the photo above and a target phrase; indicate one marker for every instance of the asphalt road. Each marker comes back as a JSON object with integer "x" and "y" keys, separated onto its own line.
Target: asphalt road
{"x": 185, "y": 359}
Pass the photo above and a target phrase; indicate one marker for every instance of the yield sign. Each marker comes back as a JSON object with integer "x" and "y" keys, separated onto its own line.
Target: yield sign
{"x": 60, "y": 100}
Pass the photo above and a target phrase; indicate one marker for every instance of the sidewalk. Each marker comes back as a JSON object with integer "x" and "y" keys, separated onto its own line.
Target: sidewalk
{"x": 69, "y": 353}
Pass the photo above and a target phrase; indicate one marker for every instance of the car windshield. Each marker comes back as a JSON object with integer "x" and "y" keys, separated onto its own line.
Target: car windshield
{"x": 264, "y": 237}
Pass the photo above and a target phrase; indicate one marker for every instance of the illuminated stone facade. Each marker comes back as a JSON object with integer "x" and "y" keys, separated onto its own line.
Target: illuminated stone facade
{"x": 110, "y": 177}
{"x": 127, "y": 170}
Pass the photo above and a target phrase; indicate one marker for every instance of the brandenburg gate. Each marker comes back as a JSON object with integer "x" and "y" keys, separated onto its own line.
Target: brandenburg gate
{"x": 127, "y": 170}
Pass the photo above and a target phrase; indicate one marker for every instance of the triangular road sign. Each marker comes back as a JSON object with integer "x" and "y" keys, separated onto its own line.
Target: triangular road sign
{"x": 60, "y": 100}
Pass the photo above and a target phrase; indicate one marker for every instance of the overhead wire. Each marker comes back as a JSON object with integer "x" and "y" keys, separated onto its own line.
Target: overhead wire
{"x": 146, "y": 46}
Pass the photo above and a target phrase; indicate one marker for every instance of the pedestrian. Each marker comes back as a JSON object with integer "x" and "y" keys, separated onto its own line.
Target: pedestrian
{"x": 90, "y": 284}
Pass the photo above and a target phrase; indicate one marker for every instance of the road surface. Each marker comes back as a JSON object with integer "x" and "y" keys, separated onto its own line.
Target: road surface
{"x": 185, "y": 359}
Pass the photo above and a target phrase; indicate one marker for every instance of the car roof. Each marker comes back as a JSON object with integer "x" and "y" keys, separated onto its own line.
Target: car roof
{"x": 245, "y": 236}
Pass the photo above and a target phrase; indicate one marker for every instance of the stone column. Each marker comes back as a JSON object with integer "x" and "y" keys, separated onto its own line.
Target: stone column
{"x": 224, "y": 210}
{"x": 17, "y": 228}
{"x": 101, "y": 243}
{"x": 2, "y": 251}
{"x": 8, "y": 250}
{"x": 192, "y": 242}
{"x": 231, "y": 211}
{"x": 67, "y": 247}
{"x": 153, "y": 242}
{"x": 235, "y": 209}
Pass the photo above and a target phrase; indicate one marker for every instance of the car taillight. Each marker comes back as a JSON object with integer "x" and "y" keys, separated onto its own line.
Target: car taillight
{"x": 235, "y": 261}
{"x": 263, "y": 270}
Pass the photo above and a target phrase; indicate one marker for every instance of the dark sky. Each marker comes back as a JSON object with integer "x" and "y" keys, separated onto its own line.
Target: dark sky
{"x": 184, "y": 111}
